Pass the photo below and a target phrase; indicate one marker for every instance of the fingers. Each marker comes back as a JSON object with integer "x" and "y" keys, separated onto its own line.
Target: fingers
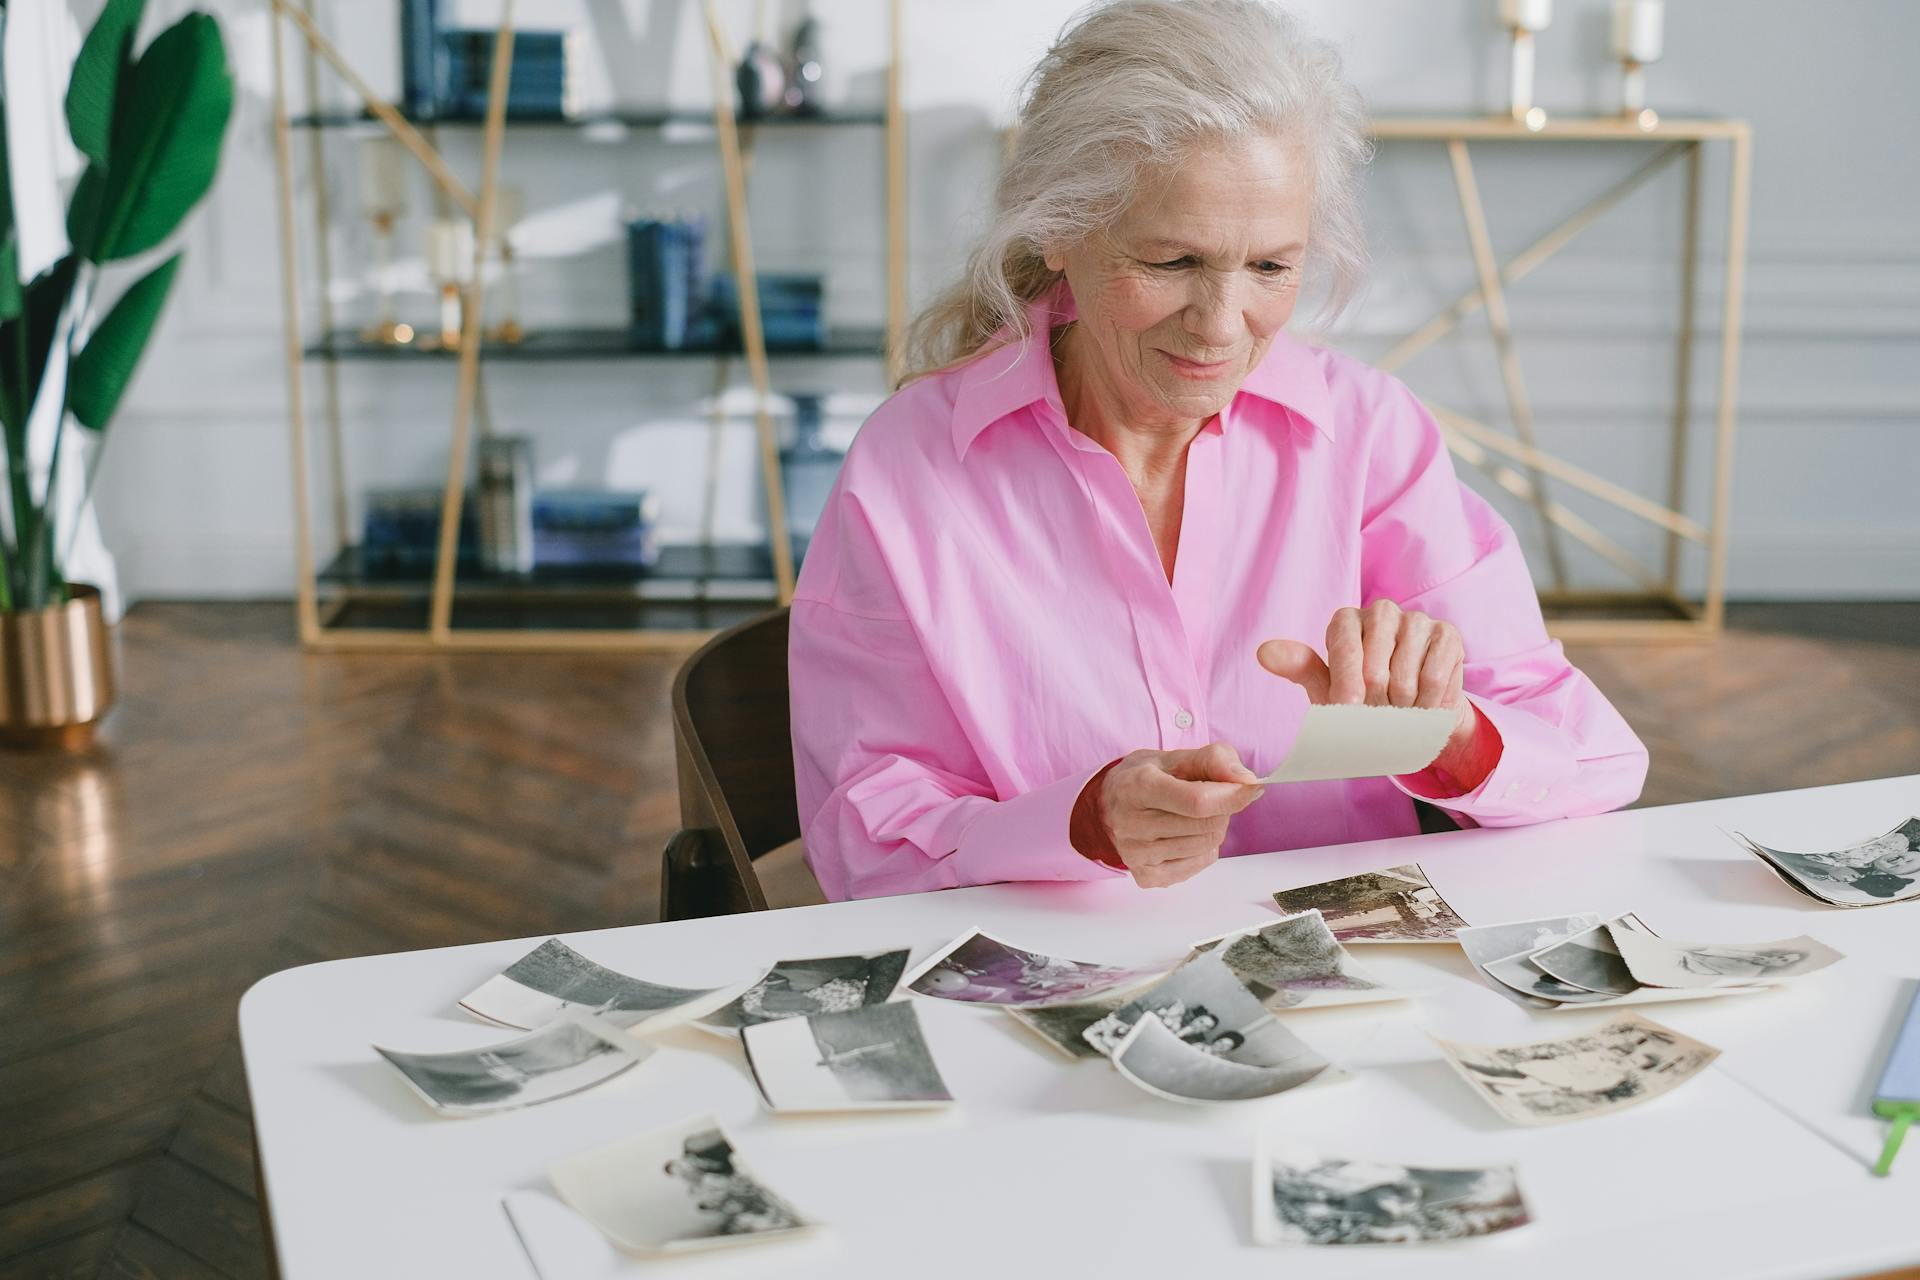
{"x": 1167, "y": 874}
{"x": 1379, "y": 636}
{"x": 1292, "y": 660}
{"x": 1409, "y": 659}
{"x": 1345, "y": 683}
{"x": 1215, "y": 762}
{"x": 1385, "y": 656}
{"x": 1442, "y": 673}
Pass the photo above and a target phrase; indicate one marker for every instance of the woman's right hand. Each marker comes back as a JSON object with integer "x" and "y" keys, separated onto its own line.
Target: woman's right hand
{"x": 1164, "y": 813}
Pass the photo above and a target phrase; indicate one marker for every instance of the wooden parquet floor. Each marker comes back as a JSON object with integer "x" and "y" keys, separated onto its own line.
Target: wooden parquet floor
{"x": 252, "y": 808}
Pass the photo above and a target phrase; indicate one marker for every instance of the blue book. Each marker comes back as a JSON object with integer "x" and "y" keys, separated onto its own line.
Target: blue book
{"x": 419, "y": 46}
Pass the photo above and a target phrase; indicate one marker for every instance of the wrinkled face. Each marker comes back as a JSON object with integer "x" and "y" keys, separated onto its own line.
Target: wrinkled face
{"x": 1182, "y": 296}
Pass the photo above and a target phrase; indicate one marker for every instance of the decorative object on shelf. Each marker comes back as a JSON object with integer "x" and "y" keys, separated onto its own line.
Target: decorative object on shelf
{"x": 1637, "y": 42}
{"x": 150, "y": 128}
{"x": 419, "y": 56}
{"x": 383, "y": 198}
{"x": 808, "y": 468}
{"x": 505, "y": 500}
{"x": 792, "y": 314}
{"x": 449, "y": 262}
{"x": 509, "y": 206}
{"x": 666, "y": 280}
{"x": 762, "y": 81}
{"x": 804, "y": 72}
{"x": 539, "y": 82}
{"x": 588, "y": 530}
{"x": 1525, "y": 19}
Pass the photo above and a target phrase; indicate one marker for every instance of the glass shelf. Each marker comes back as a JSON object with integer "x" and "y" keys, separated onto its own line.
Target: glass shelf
{"x": 654, "y": 118}
{"x": 685, "y": 572}
{"x": 598, "y": 343}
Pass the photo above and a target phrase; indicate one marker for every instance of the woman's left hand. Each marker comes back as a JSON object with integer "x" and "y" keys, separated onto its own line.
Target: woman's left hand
{"x": 1382, "y": 656}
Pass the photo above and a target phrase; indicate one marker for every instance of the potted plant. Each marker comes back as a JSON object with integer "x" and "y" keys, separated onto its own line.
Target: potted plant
{"x": 150, "y": 126}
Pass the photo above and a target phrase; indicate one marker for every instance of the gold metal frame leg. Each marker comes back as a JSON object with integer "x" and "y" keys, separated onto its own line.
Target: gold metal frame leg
{"x": 1739, "y": 193}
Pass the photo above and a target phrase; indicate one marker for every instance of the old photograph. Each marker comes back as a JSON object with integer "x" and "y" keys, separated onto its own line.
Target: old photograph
{"x": 1160, "y": 1062}
{"x": 1661, "y": 962}
{"x": 803, "y": 988}
{"x": 1064, "y": 1026}
{"x": 1625, "y": 1062}
{"x": 1869, "y": 874}
{"x": 1503, "y": 944}
{"x": 674, "y": 1190}
{"x": 1396, "y": 904}
{"x": 1590, "y": 960}
{"x": 563, "y": 1057}
{"x": 1522, "y": 977}
{"x": 1301, "y": 1197}
{"x": 553, "y": 979}
{"x": 865, "y": 1059}
{"x": 1297, "y": 962}
{"x": 1205, "y": 1007}
{"x": 981, "y": 969}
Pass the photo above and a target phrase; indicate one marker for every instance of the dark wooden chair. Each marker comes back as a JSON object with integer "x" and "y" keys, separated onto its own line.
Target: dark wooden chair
{"x": 733, "y": 748}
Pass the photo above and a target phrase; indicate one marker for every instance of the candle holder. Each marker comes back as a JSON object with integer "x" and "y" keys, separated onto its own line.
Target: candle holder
{"x": 1524, "y": 19}
{"x": 383, "y": 191}
{"x": 450, "y": 260}
{"x": 1637, "y": 43}
{"x": 508, "y": 208}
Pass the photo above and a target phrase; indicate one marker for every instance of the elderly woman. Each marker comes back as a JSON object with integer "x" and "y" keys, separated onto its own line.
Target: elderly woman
{"x": 1082, "y": 575}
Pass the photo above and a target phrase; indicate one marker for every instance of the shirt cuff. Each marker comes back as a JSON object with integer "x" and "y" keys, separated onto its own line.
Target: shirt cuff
{"x": 1026, "y": 838}
{"x": 1535, "y": 762}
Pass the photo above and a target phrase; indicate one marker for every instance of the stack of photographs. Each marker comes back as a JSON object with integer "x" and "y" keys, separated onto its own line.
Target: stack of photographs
{"x": 1297, "y": 963}
{"x": 1871, "y": 873}
{"x": 1624, "y": 1063}
{"x": 1301, "y": 1197}
{"x": 869, "y": 1059}
{"x": 1581, "y": 961}
{"x": 565, "y": 1056}
{"x": 805, "y": 988}
{"x": 1393, "y": 904}
{"x": 674, "y": 1191}
{"x": 554, "y": 979}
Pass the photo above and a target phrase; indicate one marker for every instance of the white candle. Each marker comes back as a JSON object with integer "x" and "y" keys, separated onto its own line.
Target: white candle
{"x": 1528, "y": 15}
{"x": 1636, "y": 29}
{"x": 383, "y": 178}
{"x": 450, "y": 248}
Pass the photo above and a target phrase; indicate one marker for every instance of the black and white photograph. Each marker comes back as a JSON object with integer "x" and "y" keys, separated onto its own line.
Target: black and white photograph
{"x": 1163, "y": 1064}
{"x": 1296, "y": 963}
{"x": 553, "y": 979}
{"x": 1064, "y": 1026}
{"x": 675, "y": 1190}
{"x": 1302, "y": 1197}
{"x": 1486, "y": 945}
{"x": 1871, "y": 873}
{"x": 563, "y": 1057}
{"x": 1628, "y": 1061}
{"x": 1661, "y": 962}
{"x": 803, "y": 988}
{"x": 1590, "y": 960}
{"x": 1205, "y": 1007}
{"x": 874, "y": 1058}
{"x": 1521, "y": 976}
{"x": 1395, "y": 904}
{"x": 978, "y": 968}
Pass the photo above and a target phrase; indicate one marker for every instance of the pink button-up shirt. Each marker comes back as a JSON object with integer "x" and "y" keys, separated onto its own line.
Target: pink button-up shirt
{"x": 983, "y": 622}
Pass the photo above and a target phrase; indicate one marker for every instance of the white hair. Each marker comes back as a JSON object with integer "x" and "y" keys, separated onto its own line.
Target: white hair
{"x": 1129, "y": 89}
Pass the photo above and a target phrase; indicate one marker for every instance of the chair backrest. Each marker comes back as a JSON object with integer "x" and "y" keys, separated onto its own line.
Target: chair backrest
{"x": 733, "y": 745}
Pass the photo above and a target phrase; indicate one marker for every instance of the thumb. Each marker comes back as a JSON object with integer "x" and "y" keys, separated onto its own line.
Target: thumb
{"x": 1292, "y": 660}
{"x": 1215, "y": 762}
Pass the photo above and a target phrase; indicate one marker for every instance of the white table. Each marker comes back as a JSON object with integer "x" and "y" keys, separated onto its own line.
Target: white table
{"x": 1758, "y": 1168}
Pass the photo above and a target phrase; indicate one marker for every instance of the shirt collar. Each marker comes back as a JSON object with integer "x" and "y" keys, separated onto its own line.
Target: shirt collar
{"x": 1015, "y": 374}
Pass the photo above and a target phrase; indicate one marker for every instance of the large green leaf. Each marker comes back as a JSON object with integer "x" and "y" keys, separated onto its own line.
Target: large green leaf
{"x": 167, "y": 128}
{"x": 45, "y": 297}
{"x": 11, "y": 298}
{"x": 97, "y": 72}
{"x": 83, "y": 209}
{"x": 105, "y": 365}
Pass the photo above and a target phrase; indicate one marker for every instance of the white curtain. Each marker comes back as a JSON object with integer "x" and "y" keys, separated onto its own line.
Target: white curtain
{"x": 42, "y": 40}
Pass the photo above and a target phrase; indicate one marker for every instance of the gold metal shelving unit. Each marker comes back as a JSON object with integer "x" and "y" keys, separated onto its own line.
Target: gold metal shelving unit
{"x": 689, "y": 621}
{"x": 1516, "y": 462}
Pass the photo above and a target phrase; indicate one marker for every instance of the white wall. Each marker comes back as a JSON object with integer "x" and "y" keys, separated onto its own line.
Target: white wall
{"x": 194, "y": 495}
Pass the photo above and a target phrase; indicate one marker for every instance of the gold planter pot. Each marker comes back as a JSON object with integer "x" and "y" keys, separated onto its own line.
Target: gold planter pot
{"x": 56, "y": 673}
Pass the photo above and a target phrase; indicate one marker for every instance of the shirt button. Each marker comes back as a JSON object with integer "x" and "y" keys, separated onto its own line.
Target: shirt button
{"x": 1183, "y": 720}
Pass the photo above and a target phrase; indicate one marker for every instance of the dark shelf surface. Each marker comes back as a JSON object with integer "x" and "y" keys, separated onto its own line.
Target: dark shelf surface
{"x": 589, "y": 343}
{"x": 735, "y": 571}
{"x": 386, "y": 614}
{"x": 641, "y": 118}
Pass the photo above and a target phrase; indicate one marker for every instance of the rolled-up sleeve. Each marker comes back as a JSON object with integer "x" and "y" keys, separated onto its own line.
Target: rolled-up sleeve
{"x": 1432, "y": 545}
{"x": 892, "y": 795}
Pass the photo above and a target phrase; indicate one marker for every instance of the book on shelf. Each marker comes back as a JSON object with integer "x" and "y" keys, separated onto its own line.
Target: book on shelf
{"x": 582, "y": 530}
